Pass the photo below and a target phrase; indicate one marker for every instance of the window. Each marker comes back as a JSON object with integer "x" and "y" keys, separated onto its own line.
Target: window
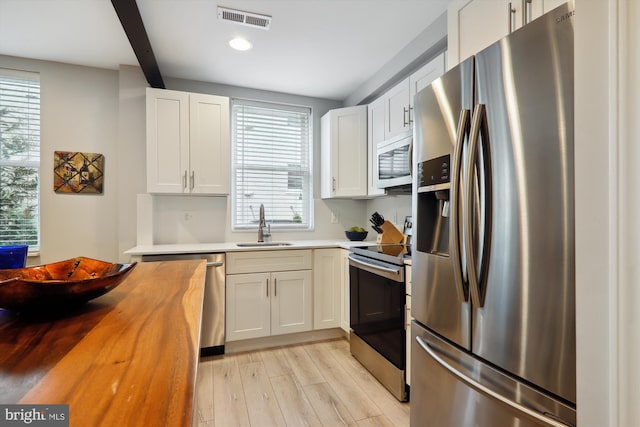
{"x": 19, "y": 158}
{"x": 271, "y": 165}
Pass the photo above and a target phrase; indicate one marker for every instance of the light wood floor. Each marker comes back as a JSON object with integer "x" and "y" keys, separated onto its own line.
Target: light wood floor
{"x": 317, "y": 384}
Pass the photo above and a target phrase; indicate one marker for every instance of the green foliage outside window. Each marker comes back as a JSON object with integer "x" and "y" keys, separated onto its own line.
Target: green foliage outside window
{"x": 19, "y": 165}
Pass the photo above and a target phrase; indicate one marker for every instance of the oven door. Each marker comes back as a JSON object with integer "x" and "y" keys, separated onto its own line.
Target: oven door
{"x": 393, "y": 162}
{"x": 377, "y": 305}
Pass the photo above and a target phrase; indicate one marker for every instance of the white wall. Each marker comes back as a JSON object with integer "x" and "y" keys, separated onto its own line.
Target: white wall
{"x": 629, "y": 298}
{"x": 79, "y": 107}
{"x": 607, "y": 155}
{"x": 131, "y": 147}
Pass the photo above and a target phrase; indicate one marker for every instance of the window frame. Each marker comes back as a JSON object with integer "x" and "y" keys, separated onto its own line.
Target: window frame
{"x": 30, "y": 163}
{"x": 306, "y": 189}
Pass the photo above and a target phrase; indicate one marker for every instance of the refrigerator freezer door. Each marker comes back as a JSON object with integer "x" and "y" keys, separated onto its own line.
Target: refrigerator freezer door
{"x": 527, "y": 323}
{"x": 456, "y": 390}
{"x": 439, "y": 295}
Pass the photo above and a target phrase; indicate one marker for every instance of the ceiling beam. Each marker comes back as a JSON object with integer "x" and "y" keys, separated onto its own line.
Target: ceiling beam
{"x": 129, "y": 15}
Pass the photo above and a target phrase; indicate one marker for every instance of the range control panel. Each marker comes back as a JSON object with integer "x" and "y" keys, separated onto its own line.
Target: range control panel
{"x": 434, "y": 171}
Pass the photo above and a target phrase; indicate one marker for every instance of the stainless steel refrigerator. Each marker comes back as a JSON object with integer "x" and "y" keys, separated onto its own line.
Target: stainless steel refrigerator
{"x": 493, "y": 297}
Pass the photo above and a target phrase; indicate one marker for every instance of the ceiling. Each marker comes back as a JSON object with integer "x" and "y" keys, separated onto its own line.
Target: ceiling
{"x": 318, "y": 48}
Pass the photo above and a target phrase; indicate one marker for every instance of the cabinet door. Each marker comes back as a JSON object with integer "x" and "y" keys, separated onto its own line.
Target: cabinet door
{"x": 291, "y": 302}
{"x": 167, "y": 141}
{"x": 548, "y": 5}
{"x": 344, "y": 287}
{"x": 375, "y": 135}
{"x": 407, "y": 276}
{"x": 423, "y": 78}
{"x": 344, "y": 157}
{"x": 248, "y": 312}
{"x": 326, "y": 288}
{"x": 476, "y": 24}
{"x": 209, "y": 144}
{"x": 397, "y": 109}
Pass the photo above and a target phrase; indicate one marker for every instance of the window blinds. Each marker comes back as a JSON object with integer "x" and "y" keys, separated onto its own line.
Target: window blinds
{"x": 271, "y": 165}
{"x": 19, "y": 158}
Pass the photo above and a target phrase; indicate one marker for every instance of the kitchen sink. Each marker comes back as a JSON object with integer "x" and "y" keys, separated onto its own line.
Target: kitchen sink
{"x": 260, "y": 244}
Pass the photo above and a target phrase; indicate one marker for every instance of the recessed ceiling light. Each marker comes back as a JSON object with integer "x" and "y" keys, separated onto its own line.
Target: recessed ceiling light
{"x": 240, "y": 44}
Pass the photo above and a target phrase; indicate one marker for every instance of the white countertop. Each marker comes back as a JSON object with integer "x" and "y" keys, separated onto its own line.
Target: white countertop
{"x": 233, "y": 247}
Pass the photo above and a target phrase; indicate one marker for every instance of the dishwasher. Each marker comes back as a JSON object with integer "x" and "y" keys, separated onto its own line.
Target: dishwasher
{"x": 213, "y": 317}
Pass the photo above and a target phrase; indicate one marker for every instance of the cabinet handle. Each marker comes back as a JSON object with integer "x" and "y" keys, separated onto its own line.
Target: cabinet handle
{"x": 334, "y": 184}
{"x": 184, "y": 180}
{"x": 193, "y": 179}
{"x": 405, "y": 114}
{"x": 527, "y": 5}
{"x": 267, "y": 288}
{"x": 512, "y": 15}
{"x": 275, "y": 287}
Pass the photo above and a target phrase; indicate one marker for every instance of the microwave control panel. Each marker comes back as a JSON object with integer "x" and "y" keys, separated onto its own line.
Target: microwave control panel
{"x": 434, "y": 171}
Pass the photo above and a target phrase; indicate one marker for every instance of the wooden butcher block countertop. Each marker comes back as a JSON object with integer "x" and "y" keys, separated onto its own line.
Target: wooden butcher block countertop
{"x": 127, "y": 358}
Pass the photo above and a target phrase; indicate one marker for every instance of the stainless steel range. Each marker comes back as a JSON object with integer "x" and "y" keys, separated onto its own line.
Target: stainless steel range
{"x": 377, "y": 304}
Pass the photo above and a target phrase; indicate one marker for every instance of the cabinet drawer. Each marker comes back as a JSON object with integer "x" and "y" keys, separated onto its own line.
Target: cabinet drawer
{"x": 267, "y": 261}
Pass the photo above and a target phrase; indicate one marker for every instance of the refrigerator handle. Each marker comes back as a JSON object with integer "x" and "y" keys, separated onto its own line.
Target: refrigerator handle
{"x": 547, "y": 420}
{"x": 456, "y": 253}
{"x": 478, "y": 124}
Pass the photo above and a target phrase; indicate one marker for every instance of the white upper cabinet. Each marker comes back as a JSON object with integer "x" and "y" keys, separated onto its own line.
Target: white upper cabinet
{"x": 548, "y": 5}
{"x": 396, "y": 105}
{"x": 398, "y": 101}
{"x": 375, "y": 135}
{"x": 423, "y": 78}
{"x": 188, "y": 143}
{"x": 397, "y": 118}
{"x": 475, "y": 24}
{"x": 392, "y": 114}
{"x": 343, "y": 148}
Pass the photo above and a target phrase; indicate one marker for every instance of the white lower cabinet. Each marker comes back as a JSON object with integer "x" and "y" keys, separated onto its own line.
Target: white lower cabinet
{"x": 326, "y": 288}
{"x": 407, "y": 275}
{"x": 267, "y": 302}
{"x": 344, "y": 286}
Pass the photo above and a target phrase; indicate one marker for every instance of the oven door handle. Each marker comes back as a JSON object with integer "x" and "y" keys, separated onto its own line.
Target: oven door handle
{"x": 394, "y": 273}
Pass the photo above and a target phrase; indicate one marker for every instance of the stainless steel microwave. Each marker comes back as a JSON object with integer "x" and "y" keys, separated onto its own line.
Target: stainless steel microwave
{"x": 393, "y": 162}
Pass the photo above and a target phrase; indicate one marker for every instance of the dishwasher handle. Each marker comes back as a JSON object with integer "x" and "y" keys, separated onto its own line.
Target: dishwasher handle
{"x": 215, "y": 264}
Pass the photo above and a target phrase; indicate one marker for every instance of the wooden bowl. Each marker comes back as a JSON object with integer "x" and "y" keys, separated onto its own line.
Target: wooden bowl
{"x": 59, "y": 285}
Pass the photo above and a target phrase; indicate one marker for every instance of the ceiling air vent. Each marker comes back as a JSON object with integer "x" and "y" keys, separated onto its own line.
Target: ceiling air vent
{"x": 245, "y": 18}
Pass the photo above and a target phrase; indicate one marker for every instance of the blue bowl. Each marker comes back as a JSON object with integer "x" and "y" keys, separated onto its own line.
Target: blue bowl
{"x": 14, "y": 256}
{"x": 356, "y": 236}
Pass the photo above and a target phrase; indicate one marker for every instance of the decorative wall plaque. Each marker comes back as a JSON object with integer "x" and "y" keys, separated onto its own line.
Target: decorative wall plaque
{"x": 78, "y": 172}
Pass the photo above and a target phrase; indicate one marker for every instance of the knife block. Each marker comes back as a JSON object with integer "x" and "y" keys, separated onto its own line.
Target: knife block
{"x": 390, "y": 234}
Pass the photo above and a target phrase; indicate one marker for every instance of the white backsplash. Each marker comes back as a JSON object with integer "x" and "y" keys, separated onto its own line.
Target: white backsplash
{"x": 392, "y": 208}
{"x": 187, "y": 219}
{"x": 191, "y": 219}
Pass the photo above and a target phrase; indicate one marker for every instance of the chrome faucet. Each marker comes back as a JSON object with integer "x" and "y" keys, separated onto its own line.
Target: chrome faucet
{"x": 262, "y": 233}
